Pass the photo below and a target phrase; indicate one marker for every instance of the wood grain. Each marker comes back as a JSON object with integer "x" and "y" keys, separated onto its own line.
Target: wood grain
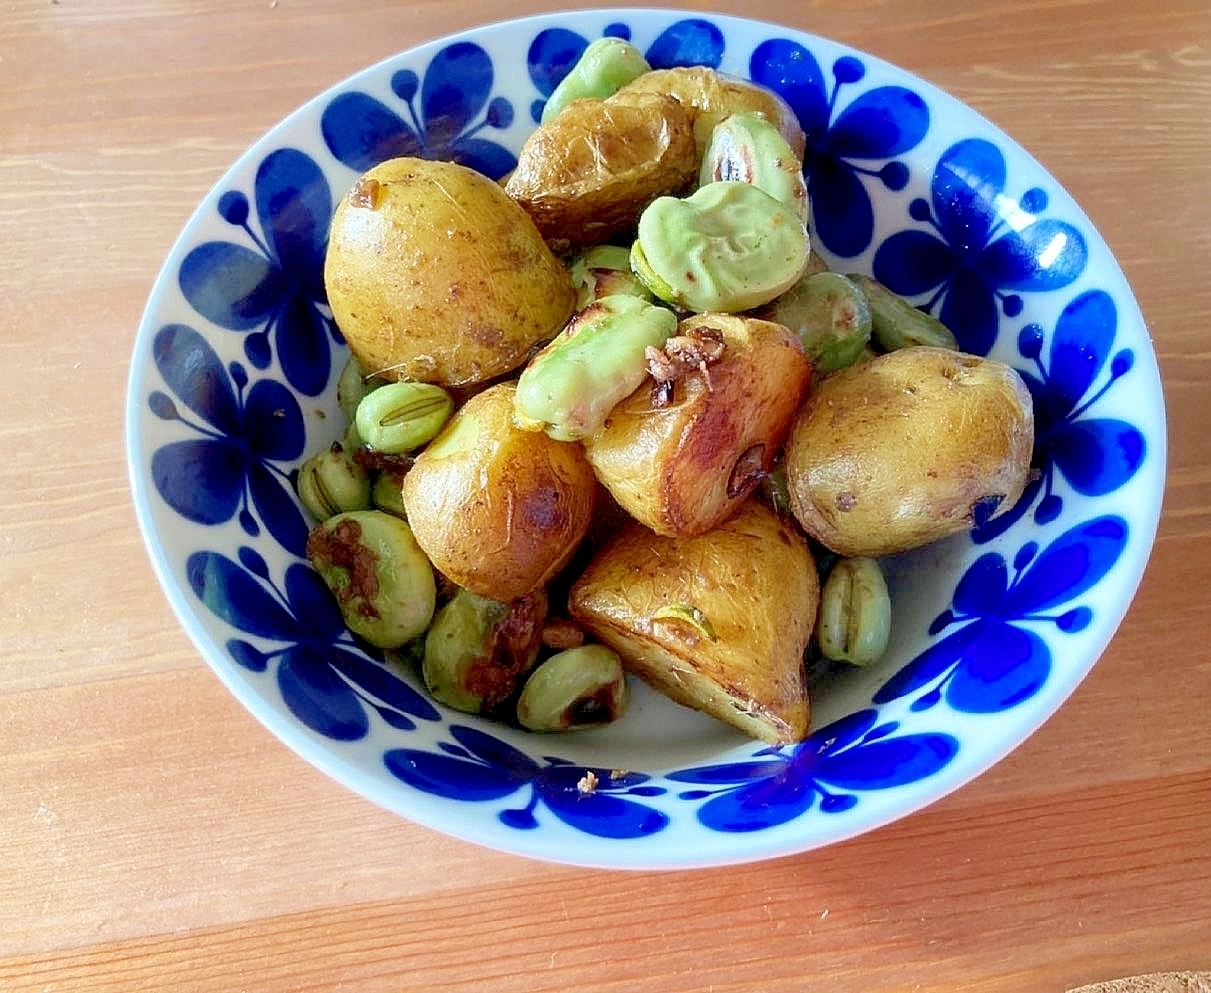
{"x": 154, "y": 836}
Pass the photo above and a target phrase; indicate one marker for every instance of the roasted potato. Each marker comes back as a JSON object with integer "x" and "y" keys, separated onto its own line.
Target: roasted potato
{"x": 713, "y": 96}
{"x": 908, "y": 448}
{"x": 683, "y": 467}
{"x": 434, "y": 274}
{"x": 499, "y": 511}
{"x": 718, "y": 622}
{"x": 585, "y": 175}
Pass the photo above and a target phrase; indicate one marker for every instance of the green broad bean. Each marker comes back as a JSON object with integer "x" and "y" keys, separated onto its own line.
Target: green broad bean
{"x": 855, "y": 612}
{"x": 576, "y": 688}
{"x": 896, "y": 323}
{"x": 727, "y": 247}
{"x": 352, "y": 385}
{"x": 382, "y": 581}
{"x": 400, "y": 417}
{"x": 478, "y": 650}
{"x": 605, "y": 67}
{"x": 387, "y": 492}
{"x": 332, "y": 482}
{"x": 830, "y": 315}
{"x": 605, "y": 270}
{"x": 569, "y": 387}
{"x": 747, "y": 148}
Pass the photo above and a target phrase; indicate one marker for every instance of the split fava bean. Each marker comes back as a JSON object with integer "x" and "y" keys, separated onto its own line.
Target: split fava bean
{"x": 747, "y": 148}
{"x": 896, "y": 323}
{"x": 855, "y": 612}
{"x": 332, "y": 482}
{"x": 606, "y": 66}
{"x": 400, "y": 417}
{"x": 570, "y": 386}
{"x": 575, "y": 688}
{"x": 727, "y": 247}
{"x": 831, "y": 316}
{"x": 605, "y": 270}
{"x": 381, "y": 579}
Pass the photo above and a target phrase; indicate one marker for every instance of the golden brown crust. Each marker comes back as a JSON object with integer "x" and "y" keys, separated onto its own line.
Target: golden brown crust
{"x": 718, "y": 622}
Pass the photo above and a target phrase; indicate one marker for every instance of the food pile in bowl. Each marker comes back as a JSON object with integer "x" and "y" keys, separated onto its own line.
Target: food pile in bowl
{"x": 702, "y": 444}
{"x": 682, "y": 349}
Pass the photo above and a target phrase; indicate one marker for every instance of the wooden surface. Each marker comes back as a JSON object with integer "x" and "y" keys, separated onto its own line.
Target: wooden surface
{"x": 154, "y": 837}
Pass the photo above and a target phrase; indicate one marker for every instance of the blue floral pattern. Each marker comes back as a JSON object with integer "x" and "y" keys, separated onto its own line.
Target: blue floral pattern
{"x": 326, "y": 677}
{"x": 362, "y": 131}
{"x": 993, "y": 660}
{"x": 478, "y": 767}
{"x": 981, "y": 250}
{"x": 1096, "y": 455}
{"x": 232, "y": 464}
{"x": 986, "y": 248}
{"x": 778, "y": 785}
{"x": 274, "y": 290}
{"x": 876, "y": 126}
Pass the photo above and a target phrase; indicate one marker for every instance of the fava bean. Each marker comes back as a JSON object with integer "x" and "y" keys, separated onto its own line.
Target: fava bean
{"x": 382, "y": 581}
{"x": 605, "y": 270}
{"x": 478, "y": 650}
{"x": 606, "y": 66}
{"x": 747, "y": 148}
{"x": 855, "y": 612}
{"x": 579, "y": 687}
{"x": 830, "y": 315}
{"x": 332, "y": 482}
{"x": 570, "y": 386}
{"x": 727, "y": 247}
{"x": 400, "y": 417}
{"x": 896, "y": 323}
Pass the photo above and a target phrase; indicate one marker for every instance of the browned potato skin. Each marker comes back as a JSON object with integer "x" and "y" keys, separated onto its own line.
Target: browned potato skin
{"x": 434, "y": 274}
{"x": 684, "y": 468}
{"x": 897, "y": 452}
{"x": 498, "y": 510}
{"x": 586, "y": 175}
{"x": 754, "y": 581}
{"x": 713, "y": 96}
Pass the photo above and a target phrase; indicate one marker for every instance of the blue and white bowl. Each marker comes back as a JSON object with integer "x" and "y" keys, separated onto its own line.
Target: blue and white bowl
{"x": 233, "y": 385}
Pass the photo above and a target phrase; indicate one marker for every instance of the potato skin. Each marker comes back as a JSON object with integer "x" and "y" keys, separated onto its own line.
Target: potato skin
{"x": 712, "y": 96}
{"x": 498, "y": 510}
{"x": 434, "y": 274}
{"x": 755, "y": 584}
{"x": 683, "y": 468}
{"x": 908, "y": 448}
{"x": 585, "y": 175}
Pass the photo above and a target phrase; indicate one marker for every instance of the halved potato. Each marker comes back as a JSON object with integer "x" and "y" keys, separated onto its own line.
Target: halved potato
{"x": 718, "y": 622}
{"x": 682, "y": 468}
{"x": 585, "y": 175}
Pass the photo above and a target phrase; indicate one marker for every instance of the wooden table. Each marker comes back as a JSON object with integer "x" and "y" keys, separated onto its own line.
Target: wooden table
{"x": 154, "y": 836}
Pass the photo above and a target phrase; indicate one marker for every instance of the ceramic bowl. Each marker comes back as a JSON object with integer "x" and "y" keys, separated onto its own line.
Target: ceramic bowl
{"x": 233, "y": 385}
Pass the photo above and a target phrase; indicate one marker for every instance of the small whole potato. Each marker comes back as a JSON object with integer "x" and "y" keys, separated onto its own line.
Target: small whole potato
{"x": 498, "y": 510}
{"x": 713, "y": 96}
{"x": 585, "y": 175}
{"x": 435, "y": 274}
{"x": 910, "y": 447}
